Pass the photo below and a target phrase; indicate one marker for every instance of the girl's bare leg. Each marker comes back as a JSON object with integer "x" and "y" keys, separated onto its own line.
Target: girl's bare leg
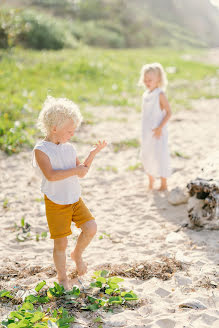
{"x": 59, "y": 258}
{"x": 163, "y": 184}
{"x": 151, "y": 182}
{"x": 89, "y": 230}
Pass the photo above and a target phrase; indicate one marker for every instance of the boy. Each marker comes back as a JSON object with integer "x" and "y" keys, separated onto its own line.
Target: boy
{"x": 60, "y": 169}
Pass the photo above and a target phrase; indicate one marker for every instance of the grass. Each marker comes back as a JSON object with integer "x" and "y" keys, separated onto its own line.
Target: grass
{"x": 88, "y": 77}
{"x": 108, "y": 168}
{"x": 125, "y": 144}
{"x": 134, "y": 167}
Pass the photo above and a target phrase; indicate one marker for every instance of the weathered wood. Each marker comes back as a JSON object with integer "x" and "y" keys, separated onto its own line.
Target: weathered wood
{"x": 203, "y": 204}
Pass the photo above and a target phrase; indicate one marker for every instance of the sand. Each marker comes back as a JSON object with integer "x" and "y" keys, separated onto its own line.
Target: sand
{"x": 134, "y": 225}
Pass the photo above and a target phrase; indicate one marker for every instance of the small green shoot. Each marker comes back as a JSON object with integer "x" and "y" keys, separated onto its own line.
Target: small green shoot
{"x": 104, "y": 234}
{"x": 5, "y": 293}
{"x": 179, "y": 154}
{"x": 134, "y": 167}
{"x": 5, "y": 203}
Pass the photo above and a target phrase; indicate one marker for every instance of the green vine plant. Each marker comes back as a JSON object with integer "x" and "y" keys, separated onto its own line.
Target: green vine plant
{"x": 39, "y": 309}
{"x": 24, "y": 232}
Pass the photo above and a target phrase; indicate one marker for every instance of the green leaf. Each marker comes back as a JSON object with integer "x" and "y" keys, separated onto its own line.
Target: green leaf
{"x": 115, "y": 300}
{"x": 115, "y": 280}
{"x": 12, "y": 325}
{"x": 16, "y": 314}
{"x": 98, "y": 319}
{"x": 23, "y": 324}
{"x": 113, "y": 285}
{"x": 27, "y": 305}
{"x": 129, "y": 296}
{"x": 101, "y": 279}
{"x": 91, "y": 307}
{"x": 37, "y": 316}
{"x": 64, "y": 322}
{"x": 23, "y": 221}
{"x": 44, "y": 234}
{"x": 109, "y": 291}
{"x": 54, "y": 314}
{"x": 96, "y": 284}
{"x": 40, "y": 286}
{"x": 31, "y": 299}
{"x": 92, "y": 299}
{"x": 6, "y": 293}
{"x": 75, "y": 291}
{"x": 43, "y": 299}
{"x": 104, "y": 273}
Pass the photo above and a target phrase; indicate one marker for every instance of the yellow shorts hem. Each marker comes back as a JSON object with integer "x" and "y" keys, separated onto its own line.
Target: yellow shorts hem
{"x": 84, "y": 221}
{"x": 61, "y": 236}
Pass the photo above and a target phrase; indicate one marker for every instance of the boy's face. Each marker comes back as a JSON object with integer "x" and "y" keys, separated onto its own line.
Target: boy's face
{"x": 64, "y": 132}
{"x": 151, "y": 80}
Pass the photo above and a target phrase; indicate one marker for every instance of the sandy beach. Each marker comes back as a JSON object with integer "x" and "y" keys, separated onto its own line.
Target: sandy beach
{"x": 134, "y": 225}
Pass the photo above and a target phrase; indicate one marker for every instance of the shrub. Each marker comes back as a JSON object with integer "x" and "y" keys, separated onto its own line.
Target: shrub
{"x": 94, "y": 34}
{"x": 33, "y": 30}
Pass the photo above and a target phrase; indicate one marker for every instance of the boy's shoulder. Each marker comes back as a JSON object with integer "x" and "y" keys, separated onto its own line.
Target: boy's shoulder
{"x": 39, "y": 144}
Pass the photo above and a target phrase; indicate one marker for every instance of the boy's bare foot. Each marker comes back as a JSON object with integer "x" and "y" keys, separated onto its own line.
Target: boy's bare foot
{"x": 81, "y": 266}
{"x": 64, "y": 283}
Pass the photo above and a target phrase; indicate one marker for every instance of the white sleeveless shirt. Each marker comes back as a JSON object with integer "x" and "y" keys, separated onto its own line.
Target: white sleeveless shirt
{"x": 62, "y": 157}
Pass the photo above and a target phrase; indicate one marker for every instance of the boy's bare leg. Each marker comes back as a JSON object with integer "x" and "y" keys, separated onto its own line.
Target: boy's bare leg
{"x": 89, "y": 230}
{"x": 59, "y": 257}
{"x": 163, "y": 184}
{"x": 151, "y": 182}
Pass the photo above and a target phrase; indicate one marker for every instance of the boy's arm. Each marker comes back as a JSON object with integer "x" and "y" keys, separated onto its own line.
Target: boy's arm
{"x": 55, "y": 175}
{"x": 97, "y": 148}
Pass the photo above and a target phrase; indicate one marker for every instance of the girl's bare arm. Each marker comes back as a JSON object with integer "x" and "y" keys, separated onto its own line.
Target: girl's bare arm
{"x": 164, "y": 104}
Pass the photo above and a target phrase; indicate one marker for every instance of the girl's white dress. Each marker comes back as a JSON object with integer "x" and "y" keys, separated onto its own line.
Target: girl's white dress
{"x": 154, "y": 152}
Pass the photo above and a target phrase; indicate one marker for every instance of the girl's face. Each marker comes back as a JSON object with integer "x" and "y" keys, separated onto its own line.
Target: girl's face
{"x": 64, "y": 132}
{"x": 151, "y": 80}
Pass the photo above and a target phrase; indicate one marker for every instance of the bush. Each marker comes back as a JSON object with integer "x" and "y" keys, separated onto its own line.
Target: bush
{"x": 11, "y": 26}
{"x": 33, "y": 30}
{"x": 43, "y": 32}
{"x": 95, "y": 34}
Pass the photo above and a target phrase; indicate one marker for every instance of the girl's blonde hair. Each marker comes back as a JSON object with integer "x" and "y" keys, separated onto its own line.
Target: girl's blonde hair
{"x": 56, "y": 111}
{"x": 155, "y": 68}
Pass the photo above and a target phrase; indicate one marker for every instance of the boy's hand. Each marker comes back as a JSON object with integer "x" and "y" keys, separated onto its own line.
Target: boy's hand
{"x": 98, "y": 147}
{"x": 82, "y": 170}
{"x": 157, "y": 132}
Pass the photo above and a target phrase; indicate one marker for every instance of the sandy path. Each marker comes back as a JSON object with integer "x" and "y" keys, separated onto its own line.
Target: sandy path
{"x": 138, "y": 223}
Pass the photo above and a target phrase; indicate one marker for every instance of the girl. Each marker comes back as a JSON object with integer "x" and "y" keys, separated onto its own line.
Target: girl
{"x": 60, "y": 168}
{"x": 155, "y": 115}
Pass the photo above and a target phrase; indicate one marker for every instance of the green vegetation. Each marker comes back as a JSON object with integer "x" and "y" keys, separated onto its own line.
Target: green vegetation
{"x": 40, "y": 309}
{"x": 49, "y": 24}
{"x": 24, "y": 232}
{"x": 88, "y": 77}
{"x": 134, "y": 167}
{"x": 118, "y": 146}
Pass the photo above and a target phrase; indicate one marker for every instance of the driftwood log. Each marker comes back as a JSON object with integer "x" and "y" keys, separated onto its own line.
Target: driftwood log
{"x": 203, "y": 204}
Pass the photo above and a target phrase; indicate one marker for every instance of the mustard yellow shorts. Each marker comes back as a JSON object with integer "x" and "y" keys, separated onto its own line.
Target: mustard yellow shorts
{"x": 60, "y": 217}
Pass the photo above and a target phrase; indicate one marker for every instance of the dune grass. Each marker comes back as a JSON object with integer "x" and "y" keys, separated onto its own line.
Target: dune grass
{"x": 88, "y": 77}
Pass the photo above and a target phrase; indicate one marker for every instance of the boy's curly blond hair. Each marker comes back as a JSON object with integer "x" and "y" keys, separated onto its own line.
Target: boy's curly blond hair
{"x": 56, "y": 111}
{"x": 156, "y": 68}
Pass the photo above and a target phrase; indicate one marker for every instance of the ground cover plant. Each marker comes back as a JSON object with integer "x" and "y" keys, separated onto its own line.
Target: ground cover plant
{"x": 55, "y": 307}
{"x": 90, "y": 77}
